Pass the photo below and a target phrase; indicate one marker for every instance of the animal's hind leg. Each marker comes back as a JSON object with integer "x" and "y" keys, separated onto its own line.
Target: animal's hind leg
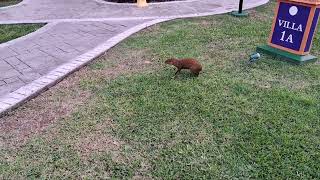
{"x": 177, "y": 71}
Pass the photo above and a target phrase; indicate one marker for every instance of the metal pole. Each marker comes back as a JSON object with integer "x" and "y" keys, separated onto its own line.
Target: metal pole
{"x": 240, "y": 12}
{"x": 240, "y": 6}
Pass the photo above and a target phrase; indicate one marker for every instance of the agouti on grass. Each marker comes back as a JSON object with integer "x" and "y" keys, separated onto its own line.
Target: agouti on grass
{"x": 193, "y": 65}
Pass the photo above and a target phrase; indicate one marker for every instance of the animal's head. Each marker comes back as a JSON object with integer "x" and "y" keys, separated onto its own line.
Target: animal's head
{"x": 170, "y": 61}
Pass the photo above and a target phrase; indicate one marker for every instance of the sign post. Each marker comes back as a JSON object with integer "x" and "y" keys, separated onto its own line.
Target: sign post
{"x": 293, "y": 29}
{"x": 240, "y": 12}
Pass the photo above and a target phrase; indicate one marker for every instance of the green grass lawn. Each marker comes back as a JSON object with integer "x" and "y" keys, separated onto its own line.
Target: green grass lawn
{"x": 8, "y": 2}
{"x": 235, "y": 121}
{"x": 13, "y": 31}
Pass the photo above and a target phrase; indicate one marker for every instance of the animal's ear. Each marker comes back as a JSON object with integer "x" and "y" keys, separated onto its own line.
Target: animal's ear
{"x": 168, "y": 61}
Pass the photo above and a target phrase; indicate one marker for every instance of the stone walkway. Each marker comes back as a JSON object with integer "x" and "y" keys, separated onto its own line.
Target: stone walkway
{"x": 77, "y": 31}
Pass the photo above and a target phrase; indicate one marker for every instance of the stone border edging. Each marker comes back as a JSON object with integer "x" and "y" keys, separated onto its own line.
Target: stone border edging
{"x": 27, "y": 92}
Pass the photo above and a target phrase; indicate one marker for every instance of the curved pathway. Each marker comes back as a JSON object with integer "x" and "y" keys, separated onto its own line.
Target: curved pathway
{"x": 77, "y": 31}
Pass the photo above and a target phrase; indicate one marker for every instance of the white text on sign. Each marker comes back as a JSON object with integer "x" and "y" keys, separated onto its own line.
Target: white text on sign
{"x": 289, "y": 25}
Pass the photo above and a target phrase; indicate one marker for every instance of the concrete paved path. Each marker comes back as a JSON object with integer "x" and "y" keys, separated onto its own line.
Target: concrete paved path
{"x": 77, "y": 31}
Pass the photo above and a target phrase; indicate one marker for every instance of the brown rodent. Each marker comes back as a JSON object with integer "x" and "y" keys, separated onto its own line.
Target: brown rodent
{"x": 193, "y": 65}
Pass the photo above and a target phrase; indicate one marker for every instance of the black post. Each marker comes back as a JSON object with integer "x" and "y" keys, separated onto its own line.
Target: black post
{"x": 240, "y": 6}
{"x": 240, "y": 12}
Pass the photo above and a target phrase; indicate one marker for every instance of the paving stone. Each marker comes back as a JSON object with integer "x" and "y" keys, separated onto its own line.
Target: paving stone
{"x": 6, "y": 52}
{"x": 13, "y": 61}
{"x": 66, "y": 47}
{"x": 24, "y": 47}
{"x": 22, "y": 67}
{"x": 63, "y": 58}
{"x": 2, "y": 82}
{"x": 87, "y": 35}
{"x": 60, "y": 56}
{"x": 48, "y": 41}
{"x": 107, "y": 26}
{"x": 11, "y": 80}
{"x": 29, "y": 76}
{"x": 51, "y": 50}
{"x": 42, "y": 64}
{"x": 4, "y": 66}
{"x": 71, "y": 36}
{"x": 9, "y": 73}
{"x": 35, "y": 53}
{"x": 27, "y": 70}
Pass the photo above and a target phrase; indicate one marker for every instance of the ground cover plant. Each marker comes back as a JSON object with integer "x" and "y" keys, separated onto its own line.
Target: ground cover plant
{"x": 13, "y": 31}
{"x": 124, "y": 116}
{"x": 8, "y": 2}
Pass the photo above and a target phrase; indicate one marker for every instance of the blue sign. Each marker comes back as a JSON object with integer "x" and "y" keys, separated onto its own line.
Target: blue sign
{"x": 290, "y": 25}
{"x": 313, "y": 29}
